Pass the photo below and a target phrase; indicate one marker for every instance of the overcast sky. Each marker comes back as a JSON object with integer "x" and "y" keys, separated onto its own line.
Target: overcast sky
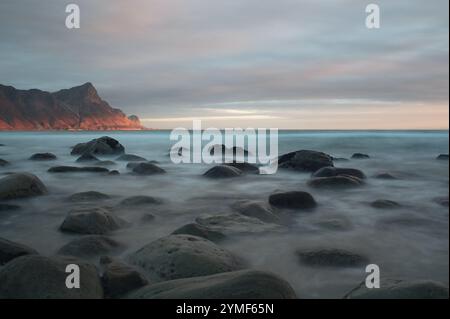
{"x": 302, "y": 64}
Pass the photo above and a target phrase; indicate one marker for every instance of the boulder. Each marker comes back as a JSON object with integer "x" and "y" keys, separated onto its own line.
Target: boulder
{"x": 256, "y": 209}
{"x": 102, "y": 146}
{"x": 442, "y": 157}
{"x": 338, "y": 171}
{"x": 243, "y": 284}
{"x": 340, "y": 181}
{"x": 385, "y": 175}
{"x": 43, "y": 157}
{"x": 331, "y": 258}
{"x": 292, "y": 200}
{"x": 95, "y": 221}
{"x": 39, "y": 277}
{"x": 4, "y": 162}
{"x": 385, "y": 204}
{"x": 105, "y": 163}
{"x": 147, "y": 169}
{"x": 223, "y": 171}
{"x": 183, "y": 256}
{"x": 140, "y": 200}
{"x": 75, "y": 169}
{"x": 305, "y": 160}
{"x": 20, "y": 185}
{"x": 10, "y": 250}
{"x": 360, "y": 156}
{"x": 119, "y": 278}
{"x": 87, "y": 157}
{"x": 90, "y": 246}
{"x": 198, "y": 230}
{"x": 88, "y": 196}
{"x": 114, "y": 173}
{"x": 400, "y": 289}
{"x": 245, "y": 167}
{"x": 130, "y": 158}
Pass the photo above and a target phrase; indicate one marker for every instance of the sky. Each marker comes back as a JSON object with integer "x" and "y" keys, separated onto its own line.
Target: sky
{"x": 288, "y": 64}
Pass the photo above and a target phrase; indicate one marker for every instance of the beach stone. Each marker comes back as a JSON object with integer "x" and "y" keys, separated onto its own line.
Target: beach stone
{"x": 331, "y": 258}
{"x": 10, "y": 250}
{"x": 183, "y": 256}
{"x": 147, "y": 169}
{"x": 339, "y": 181}
{"x": 88, "y": 196}
{"x": 259, "y": 210}
{"x": 120, "y": 278}
{"x": 223, "y": 171}
{"x": 4, "y": 162}
{"x": 39, "y": 277}
{"x": 292, "y": 200}
{"x": 385, "y": 204}
{"x": 305, "y": 160}
{"x": 245, "y": 167}
{"x": 243, "y": 284}
{"x": 195, "y": 229}
{"x": 43, "y": 157}
{"x": 95, "y": 221}
{"x": 360, "y": 156}
{"x": 237, "y": 224}
{"x": 141, "y": 200}
{"x": 90, "y": 246}
{"x": 105, "y": 163}
{"x": 20, "y": 185}
{"x": 101, "y": 146}
{"x": 130, "y": 158}
{"x": 75, "y": 169}
{"x": 442, "y": 157}
{"x": 338, "y": 171}
{"x": 87, "y": 157}
{"x": 400, "y": 289}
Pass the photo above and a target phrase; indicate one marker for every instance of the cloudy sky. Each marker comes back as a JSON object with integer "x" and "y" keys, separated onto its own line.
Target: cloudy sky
{"x": 303, "y": 64}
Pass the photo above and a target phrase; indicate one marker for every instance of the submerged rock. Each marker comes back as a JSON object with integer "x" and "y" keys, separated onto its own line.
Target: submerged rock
{"x": 292, "y": 200}
{"x": 339, "y": 181}
{"x": 256, "y": 209}
{"x": 385, "y": 175}
{"x": 20, "y": 185}
{"x": 399, "y": 289}
{"x": 88, "y": 196}
{"x": 105, "y": 163}
{"x": 385, "y": 204}
{"x": 195, "y": 229}
{"x": 96, "y": 221}
{"x": 305, "y": 160}
{"x": 245, "y": 167}
{"x": 87, "y": 157}
{"x": 131, "y": 158}
{"x": 331, "y": 258}
{"x": 442, "y": 157}
{"x": 183, "y": 256}
{"x": 223, "y": 171}
{"x": 90, "y": 246}
{"x": 443, "y": 201}
{"x": 360, "y": 156}
{"x": 338, "y": 171}
{"x": 147, "y": 169}
{"x": 140, "y": 200}
{"x": 39, "y": 277}
{"x": 76, "y": 169}
{"x": 10, "y": 250}
{"x": 243, "y": 284}
{"x": 43, "y": 157}
{"x": 4, "y": 162}
{"x": 104, "y": 145}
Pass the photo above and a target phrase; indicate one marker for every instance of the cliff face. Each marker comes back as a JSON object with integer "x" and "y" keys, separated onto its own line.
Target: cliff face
{"x": 78, "y": 108}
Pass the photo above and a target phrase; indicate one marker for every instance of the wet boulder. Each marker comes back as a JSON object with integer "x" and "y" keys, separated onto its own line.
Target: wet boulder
{"x": 385, "y": 175}
{"x": 90, "y": 246}
{"x": 245, "y": 167}
{"x": 442, "y": 157}
{"x": 223, "y": 171}
{"x": 140, "y": 200}
{"x": 195, "y": 229}
{"x": 87, "y": 157}
{"x": 305, "y": 160}
{"x": 147, "y": 169}
{"x": 100, "y": 146}
{"x": 130, "y": 158}
{"x": 105, "y": 163}
{"x": 331, "y": 258}
{"x": 338, "y": 171}
{"x": 88, "y": 196}
{"x": 340, "y": 181}
{"x": 10, "y": 250}
{"x": 259, "y": 210}
{"x": 43, "y": 157}
{"x": 4, "y": 162}
{"x": 360, "y": 156}
{"x": 20, "y": 185}
{"x": 292, "y": 200}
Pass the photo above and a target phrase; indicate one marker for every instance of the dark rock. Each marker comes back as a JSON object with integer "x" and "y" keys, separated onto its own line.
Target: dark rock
{"x": 399, "y": 289}
{"x": 257, "y": 210}
{"x": 195, "y": 229}
{"x": 305, "y": 160}
{"x": 10, "y": 250}
{"x": 140, "y": 201}
{"x": 183, "y": 256}
{"x": 88, "y": 196}
{"x": 331, "y": 258}
{"x": 443, "y": 201}
{"x": 87, "y": 157}
{"x": 104, "y": 145}
{"x": 119, "y": 278}
{"x": 105, "y": 163}
{"x": 147, "y": 169}
{"x": 90, "y": 246}
{"x": 335, "y": 171}
{"x": 114, "y": 173}
{"x": 43, "y": 157}
{"x": 442, "y": 157}
{"x": 39, "y": 277}
{"x": 4, "y": 162}
{"x": 292, "y": 200}
{"x": 223, "y": 171}
{"x": 385, "y": 204}
{"x": 218, "y": 149}
{"x": 340, "y": 181}
{"x": 20, "y": 185}
{"x": 244, "y": 284}
{"x": 96, "y": 221}
{"x": 130, "y": 158}
{"x": 340, "y": 159}
{"x": 360, "y": 156}
{"x": 74, "y": 169}
{"x": 385, "y": 175}
{"x": 245, "y": 167}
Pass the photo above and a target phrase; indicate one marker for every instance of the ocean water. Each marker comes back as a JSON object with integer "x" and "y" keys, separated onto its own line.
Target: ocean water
{"x": 411, "y": 242}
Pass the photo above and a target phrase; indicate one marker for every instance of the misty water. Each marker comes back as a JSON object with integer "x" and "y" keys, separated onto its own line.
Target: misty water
{"x": 407, "y": 243}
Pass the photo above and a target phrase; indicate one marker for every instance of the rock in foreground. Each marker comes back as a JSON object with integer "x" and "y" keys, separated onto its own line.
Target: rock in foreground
{"x": 10, "y": 250}
{"x": 20, "y": 185}
{"x": 90, "y": 246}
{"x": 257, "y": 210}
{"x": 195, "y": 229}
